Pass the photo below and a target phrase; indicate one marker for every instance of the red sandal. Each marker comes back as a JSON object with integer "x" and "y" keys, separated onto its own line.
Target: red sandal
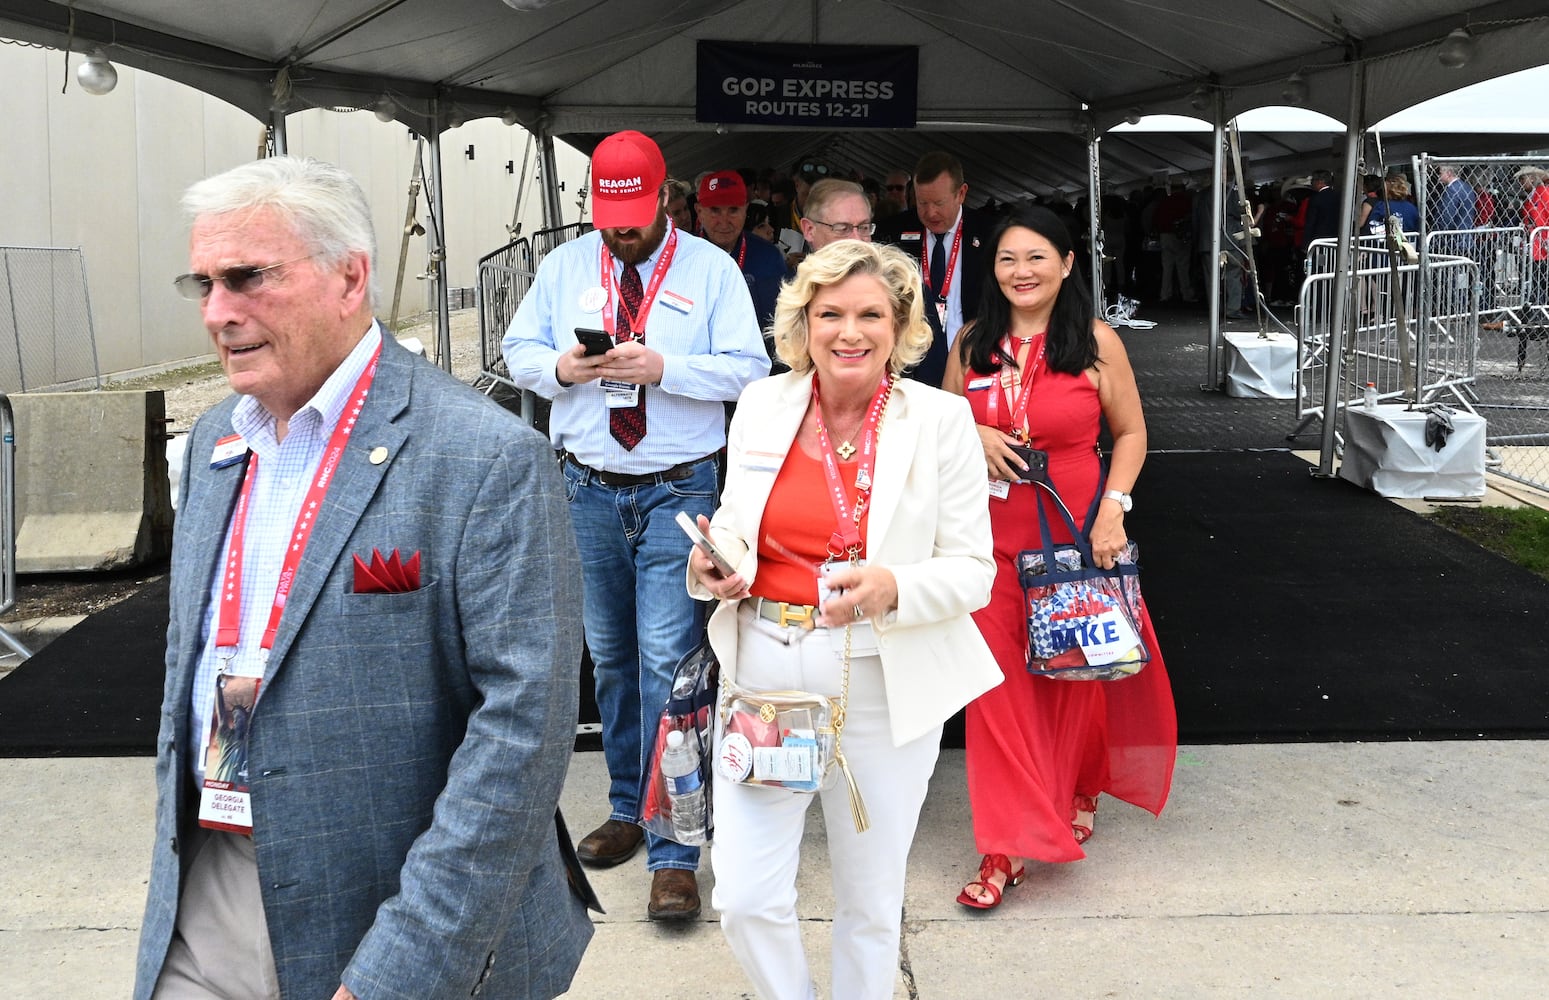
{"x": 1083, "y": 816}
{"x": 988, "y": 866}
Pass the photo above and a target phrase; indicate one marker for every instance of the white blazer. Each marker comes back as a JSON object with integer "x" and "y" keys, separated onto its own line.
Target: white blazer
{"x": 929, "y": 524}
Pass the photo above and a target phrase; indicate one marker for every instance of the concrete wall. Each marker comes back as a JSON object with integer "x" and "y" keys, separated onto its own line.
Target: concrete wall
{"x": 105, "y": 173}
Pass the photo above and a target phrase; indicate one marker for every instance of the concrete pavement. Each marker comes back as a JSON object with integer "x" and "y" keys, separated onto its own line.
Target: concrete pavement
{"x": 1372, "y": 870}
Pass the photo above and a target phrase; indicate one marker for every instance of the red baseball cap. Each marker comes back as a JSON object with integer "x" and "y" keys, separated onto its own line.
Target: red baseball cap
{"x": 627, "y": 176}
{"x": 723, "y": 189}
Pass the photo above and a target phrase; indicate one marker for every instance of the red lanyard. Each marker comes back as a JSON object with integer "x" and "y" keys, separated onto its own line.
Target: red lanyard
{"x": 957, "y": 243}
{"x": 742, "y": 250}
{"x": 229, "y": 631}
{"x": 847, "y": 538}
{"x": 636, "y": 329}
{"x": 1019, "y": 404}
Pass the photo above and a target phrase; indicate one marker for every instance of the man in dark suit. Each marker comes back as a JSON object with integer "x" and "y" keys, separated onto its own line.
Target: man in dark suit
{"x": 1322, "y": 210}
{"x": 951, "y": 243}
{"x": 378, "y": 562}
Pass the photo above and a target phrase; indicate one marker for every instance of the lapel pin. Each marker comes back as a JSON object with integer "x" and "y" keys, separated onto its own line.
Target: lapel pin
{"x": 378, "y": 455}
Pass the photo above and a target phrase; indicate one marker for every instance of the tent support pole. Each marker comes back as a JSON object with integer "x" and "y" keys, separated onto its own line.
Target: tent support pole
{"x": 438, "y": 246}
{"x": 553, "y": 217}
{"x": 1344, "y": 286}
{"x": 1213, "y": 264}
{"x": 277, "y": 132}
{"x": 1093, "y": 199}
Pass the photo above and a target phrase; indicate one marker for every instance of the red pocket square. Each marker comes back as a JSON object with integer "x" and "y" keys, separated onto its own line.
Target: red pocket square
{"x": 387, "y": 576}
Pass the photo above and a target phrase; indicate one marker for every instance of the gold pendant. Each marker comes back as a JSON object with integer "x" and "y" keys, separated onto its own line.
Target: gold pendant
{"x": 845, "y": 450}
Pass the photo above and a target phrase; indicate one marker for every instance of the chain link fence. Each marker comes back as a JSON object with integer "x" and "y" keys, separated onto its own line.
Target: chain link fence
{"x": 1494, "y": 212}
{"x": 46, "y": 336}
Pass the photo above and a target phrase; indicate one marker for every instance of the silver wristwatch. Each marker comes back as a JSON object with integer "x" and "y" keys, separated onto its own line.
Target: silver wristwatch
{"x": 1121, "y": 498}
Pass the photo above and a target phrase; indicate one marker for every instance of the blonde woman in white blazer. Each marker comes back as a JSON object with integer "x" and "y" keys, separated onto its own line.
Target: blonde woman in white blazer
{"x": 848, "y": 324}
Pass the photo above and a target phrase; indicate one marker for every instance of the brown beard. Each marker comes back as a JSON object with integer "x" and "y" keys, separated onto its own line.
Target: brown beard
{"x": 640, "y": 249}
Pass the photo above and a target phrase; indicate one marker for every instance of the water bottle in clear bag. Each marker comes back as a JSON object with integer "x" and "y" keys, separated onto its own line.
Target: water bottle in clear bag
{"x": 685, "y": 789}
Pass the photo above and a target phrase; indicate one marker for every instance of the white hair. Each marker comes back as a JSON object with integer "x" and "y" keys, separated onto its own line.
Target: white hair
{"x": 322, "y": 204}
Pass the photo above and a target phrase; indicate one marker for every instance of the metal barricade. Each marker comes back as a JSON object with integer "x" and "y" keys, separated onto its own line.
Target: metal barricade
{"x": 1402, "y": 354}
{"x": 505, "y": 275}
{"x": 8, "y": 522}
{"x": 1494, "y": 211}
{"x": 46, "y": 335}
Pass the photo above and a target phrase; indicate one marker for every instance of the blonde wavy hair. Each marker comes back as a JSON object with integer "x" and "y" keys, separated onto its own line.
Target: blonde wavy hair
{"x": 833, "y": 264}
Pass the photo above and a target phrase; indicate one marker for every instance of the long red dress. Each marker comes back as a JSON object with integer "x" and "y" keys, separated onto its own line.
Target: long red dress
{"x": 1034, "y": 743}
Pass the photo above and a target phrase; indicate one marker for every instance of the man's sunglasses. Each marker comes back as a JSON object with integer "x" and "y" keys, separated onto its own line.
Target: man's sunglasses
{"x": 243, "y": 279}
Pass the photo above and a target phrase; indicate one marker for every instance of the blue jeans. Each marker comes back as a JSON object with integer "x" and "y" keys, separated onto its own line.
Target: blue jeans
{"x": 639, "y": 619}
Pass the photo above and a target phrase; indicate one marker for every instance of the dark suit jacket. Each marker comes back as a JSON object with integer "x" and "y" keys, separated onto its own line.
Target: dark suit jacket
{"x": 906, "y": 232}
{"x": 1322, "y": 216}
{"x": 407, "y": 752}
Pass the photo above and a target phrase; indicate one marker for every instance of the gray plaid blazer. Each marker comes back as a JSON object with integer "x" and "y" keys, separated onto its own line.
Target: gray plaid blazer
{"x": 408, "y": 750}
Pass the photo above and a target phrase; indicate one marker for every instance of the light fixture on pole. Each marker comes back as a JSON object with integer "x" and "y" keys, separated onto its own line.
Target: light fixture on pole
{"x": 1133, "y": 116}
{"x": 1294, "y": 92}
{"x": 384, "y": 109}
{"x": 508, "y": 116}
{"x": 1200, "y": 99}
{"x": 96, "y": 75}
{"x": 455, "y": 118}
{"x": 1456, "y": 49}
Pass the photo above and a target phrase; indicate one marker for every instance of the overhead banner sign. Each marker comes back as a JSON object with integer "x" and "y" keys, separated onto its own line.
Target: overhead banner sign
{"x": 811, "y": 86}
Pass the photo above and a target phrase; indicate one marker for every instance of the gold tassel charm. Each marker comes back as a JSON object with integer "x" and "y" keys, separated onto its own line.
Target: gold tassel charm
{"x": 857, "y": 804}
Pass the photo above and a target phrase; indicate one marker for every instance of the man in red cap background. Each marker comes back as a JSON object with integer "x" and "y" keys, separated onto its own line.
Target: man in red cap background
{"x": 637, "y": 427}
{"x": 723, "y": 210}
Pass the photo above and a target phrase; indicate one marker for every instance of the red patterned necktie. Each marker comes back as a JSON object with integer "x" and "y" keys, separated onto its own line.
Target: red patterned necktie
{"x": 627, "y": 423}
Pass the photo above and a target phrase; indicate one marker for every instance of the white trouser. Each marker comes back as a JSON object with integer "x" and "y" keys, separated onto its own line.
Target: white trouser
{"x": 758, "y": 830}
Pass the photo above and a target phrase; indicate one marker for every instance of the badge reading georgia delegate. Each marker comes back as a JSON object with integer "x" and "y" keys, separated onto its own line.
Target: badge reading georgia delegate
{"x": 593, "y": 299}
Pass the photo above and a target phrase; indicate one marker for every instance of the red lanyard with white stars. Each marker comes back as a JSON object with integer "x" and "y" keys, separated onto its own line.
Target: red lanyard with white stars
{"x": 636, "y": 329}
{"x": 946, "y": 282}
{"x": 229, "y": 630}
{"x": 1019, "y": 426}
{"x": 847, "y": 537}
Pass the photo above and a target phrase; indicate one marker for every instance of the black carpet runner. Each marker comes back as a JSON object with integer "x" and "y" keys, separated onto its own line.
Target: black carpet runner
{"x": 1288, "y": 608}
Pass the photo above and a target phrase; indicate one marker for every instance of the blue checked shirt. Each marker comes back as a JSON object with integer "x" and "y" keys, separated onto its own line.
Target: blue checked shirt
{"x": 705, "y": 331}
{"x": 285, "y": 473}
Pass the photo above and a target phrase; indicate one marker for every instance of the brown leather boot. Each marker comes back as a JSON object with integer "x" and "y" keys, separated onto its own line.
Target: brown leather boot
{"x": 613, "y": 843}
{"x": 674, "y": 895}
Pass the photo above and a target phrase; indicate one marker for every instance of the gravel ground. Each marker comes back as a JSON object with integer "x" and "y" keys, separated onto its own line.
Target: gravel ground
{"x": 190, "y": 392}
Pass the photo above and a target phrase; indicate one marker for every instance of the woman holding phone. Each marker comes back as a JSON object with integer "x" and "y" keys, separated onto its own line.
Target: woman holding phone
{"x": 1042, "y": 374}
{"x": 842, "y": 470}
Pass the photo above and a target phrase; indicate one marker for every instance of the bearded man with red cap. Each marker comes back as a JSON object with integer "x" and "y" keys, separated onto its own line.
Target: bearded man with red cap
{"x": 723, "y": 212}
{"x": 637, "y": 427}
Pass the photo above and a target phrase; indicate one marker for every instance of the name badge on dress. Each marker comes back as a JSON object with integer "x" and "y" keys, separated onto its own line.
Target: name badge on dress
{"x": 1000, "y": 489}
{"x": 986, "y": 382}
{"x": 619, "y": 394}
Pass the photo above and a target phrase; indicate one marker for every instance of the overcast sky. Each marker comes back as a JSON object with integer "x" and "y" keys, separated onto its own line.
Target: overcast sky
{"x": 1511, "y": 103}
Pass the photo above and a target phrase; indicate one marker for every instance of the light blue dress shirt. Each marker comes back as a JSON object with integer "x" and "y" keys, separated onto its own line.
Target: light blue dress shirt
{"x": 702, "y": 324}
{"x": 284, "y": 475}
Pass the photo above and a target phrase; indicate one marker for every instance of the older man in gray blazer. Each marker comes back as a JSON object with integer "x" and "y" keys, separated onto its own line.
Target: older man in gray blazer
{"x": 373, "y": 647}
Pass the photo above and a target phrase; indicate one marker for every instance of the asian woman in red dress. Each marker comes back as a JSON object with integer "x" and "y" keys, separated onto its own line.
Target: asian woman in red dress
{"x": 1039, "y": 369}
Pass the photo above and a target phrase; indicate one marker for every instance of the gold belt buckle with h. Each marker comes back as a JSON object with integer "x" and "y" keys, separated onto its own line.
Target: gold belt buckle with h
{"x": 795, "y": 614}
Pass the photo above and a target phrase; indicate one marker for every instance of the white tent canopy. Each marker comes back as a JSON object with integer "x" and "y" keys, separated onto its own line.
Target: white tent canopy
{"x": 1012, "y": 86}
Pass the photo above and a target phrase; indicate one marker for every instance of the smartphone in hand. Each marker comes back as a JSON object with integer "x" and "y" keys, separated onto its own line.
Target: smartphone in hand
{"x": 595, "y": 341}
{"x": 702, "y": 542}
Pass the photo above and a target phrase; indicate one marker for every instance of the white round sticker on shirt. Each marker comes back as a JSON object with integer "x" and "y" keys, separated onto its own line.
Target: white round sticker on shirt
{"x": 593, "y": 299}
